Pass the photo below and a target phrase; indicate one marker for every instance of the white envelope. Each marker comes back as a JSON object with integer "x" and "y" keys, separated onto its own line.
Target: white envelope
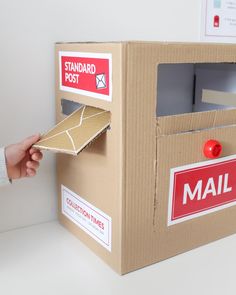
{"x": 101, "y": 81}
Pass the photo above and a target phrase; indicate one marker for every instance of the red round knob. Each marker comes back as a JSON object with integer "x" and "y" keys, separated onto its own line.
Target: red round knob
{"x": 212, "y": 149}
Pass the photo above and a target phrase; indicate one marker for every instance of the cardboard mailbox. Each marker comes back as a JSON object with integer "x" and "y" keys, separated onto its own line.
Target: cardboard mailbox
{"x": 144, "y": 190}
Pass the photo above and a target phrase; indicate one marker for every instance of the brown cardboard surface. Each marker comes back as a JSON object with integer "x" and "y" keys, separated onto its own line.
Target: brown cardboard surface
{"x": 167, "y": 125}
{"x": 97, "y": 173}
{"x": 74, "y": 133}
{"x": 125, "y": 173}
{"x": 198, "y": 231}
{"x": 146, "y": 237}
{"x": 219, "y": 97}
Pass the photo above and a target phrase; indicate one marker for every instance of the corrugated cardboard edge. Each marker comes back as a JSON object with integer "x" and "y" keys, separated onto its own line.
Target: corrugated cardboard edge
{"x": 139, "y": 139}
{"x": 124, "y": 155}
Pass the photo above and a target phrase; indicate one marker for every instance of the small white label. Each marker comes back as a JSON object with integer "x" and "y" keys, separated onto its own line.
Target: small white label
{"x": 90, "y": 219}
{"x": 218, "y": 21}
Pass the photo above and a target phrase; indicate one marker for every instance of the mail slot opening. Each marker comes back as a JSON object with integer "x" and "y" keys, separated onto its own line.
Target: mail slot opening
{"x": 69, "y": 106}
{"x": 195, "y": 87}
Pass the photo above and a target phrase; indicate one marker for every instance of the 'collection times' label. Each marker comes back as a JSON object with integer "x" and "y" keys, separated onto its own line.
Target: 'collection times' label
{"x": 90, "y": 219}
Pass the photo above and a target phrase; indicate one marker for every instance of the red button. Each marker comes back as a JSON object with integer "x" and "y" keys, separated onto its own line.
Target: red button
{"x": 212, "y": 149}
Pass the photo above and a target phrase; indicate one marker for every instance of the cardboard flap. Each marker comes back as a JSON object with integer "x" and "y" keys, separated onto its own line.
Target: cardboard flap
{"x": 74, "y": 133}
{"x": 219, "y": 97}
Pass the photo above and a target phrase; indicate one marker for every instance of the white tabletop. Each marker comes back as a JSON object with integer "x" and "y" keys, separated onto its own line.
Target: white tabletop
{"x": 47, "y": 259}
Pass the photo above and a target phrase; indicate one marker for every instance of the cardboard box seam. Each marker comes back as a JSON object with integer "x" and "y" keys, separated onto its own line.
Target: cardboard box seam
{"x": 155, "y": 201}
{"x": 124, "y": 162}
{"x": 196, "y": 130}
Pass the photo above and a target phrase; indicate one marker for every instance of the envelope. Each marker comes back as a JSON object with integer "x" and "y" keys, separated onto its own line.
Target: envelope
{"x": 74, "y": 133}
{"x": 101, "y": 81}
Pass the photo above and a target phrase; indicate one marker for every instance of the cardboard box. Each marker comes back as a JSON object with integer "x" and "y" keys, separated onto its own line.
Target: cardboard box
{"x": 143, "y": 190}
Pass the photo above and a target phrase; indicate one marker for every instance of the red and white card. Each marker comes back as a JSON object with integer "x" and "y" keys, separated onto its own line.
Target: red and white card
{"x": 88, "y": 74}
{"x": 201, "y": 188}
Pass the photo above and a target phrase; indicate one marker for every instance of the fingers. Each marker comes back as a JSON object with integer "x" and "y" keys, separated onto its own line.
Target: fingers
{"x": 29, "y": 141}
{"x": 36, "y": 155}
{"x": 33, "y": 165}
{"x": 33, "y": 150}
{"x": 31, "y": 168}
{"x": 22, "y": 159}
{"x": 30, "y": 172}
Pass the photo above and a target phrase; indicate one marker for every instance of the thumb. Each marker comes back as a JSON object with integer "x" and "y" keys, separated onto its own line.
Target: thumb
{"x": 29, "y": 141}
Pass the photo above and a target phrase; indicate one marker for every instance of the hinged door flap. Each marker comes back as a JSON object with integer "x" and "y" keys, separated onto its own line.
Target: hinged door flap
{"x": 195, "y": 195}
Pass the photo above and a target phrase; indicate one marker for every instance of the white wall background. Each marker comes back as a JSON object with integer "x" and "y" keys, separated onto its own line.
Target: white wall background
{"x": 28, "y": 31}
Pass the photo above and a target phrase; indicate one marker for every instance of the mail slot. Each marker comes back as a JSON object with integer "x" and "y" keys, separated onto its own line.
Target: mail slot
{"x": 133, "y": 182}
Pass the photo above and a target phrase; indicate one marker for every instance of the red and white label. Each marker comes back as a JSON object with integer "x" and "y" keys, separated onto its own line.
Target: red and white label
{"x": 88, "y": 74}
{"x": 201, "y": 188}
{"x": 90, "y": 219}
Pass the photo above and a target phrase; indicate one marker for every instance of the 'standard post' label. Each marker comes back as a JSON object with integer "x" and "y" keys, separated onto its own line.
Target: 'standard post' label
{"x": 201, "y": 188}
{"x": 87, "y": 74}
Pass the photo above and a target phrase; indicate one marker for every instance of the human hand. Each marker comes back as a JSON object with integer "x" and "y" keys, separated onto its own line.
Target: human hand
{"x": 22, "y": 159}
